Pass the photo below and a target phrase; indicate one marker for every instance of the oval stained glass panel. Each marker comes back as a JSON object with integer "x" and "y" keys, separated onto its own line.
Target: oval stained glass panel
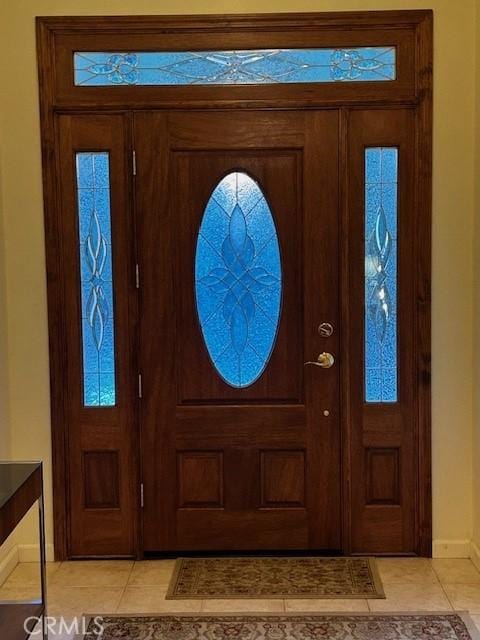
{"x": 238, "y": 279}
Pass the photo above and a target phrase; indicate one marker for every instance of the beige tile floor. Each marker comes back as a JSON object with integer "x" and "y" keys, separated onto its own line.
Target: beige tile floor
{"x": 416, "y": 584}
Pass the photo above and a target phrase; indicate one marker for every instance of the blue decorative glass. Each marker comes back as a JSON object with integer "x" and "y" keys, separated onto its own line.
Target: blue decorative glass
{"x": 381, "y": 366}
{"x": 265, "y": 66}
{"x": 94, "y": 227}
{"x": 238, "y": 280}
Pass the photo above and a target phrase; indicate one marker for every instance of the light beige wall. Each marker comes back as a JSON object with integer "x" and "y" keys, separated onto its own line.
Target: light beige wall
{"x": 476, "y": 447}
{"x": 4, "y": 421}
{"x": 5, "y": 448}
{"x": 4, "y": 418}
{"x": 452, "y": 228}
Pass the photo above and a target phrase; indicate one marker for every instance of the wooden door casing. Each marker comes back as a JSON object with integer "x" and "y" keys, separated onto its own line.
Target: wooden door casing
{"x": 238, "y": 442}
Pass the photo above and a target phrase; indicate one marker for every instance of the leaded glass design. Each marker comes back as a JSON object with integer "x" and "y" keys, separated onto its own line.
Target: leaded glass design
{"x": 265, "y": 66}
{"x": 95, "y": 247}
{"x": 381, "y": 178}
{"x": 238, "y": 279}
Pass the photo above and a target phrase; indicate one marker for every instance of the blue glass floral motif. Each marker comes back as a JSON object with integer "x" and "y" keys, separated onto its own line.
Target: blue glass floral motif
{"x": 95, "y": 257}
{"x": 118, "y": 68}
{"x": 356, "y": 64}
{"x": 381, "y": 177}
{"x": 264, "y": 66}
{"x": 238, "y": 280}
{"x": 94, "y": 227}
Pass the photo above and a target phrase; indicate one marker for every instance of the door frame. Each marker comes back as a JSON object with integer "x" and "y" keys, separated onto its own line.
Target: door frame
{"x": 410, "y": 31}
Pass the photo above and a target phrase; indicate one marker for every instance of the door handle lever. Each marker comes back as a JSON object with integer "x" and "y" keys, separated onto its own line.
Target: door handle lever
{"x": 325, "y": 361}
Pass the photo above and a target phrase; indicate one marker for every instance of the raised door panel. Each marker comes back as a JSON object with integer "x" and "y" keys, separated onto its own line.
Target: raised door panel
{"x": 200, "y": 479}
{"x": 283, "y": 479}
{"x": 278, "y": 176}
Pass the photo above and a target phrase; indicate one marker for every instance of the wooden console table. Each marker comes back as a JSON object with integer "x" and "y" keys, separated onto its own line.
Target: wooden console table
{"x": 21, "y": 485}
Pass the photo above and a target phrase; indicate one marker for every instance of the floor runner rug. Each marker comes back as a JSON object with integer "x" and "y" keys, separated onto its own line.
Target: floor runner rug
{"x": 425, "y": 626}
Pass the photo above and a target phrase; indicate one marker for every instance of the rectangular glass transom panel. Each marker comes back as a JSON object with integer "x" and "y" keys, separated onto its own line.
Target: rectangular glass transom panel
{"x": 381, "y": 367}
{"x": 95, "y": 247}
{"x": 265, "y": 66}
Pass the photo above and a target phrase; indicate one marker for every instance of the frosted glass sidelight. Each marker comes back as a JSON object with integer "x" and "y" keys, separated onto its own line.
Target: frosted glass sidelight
{"x": 95, "y": 247}
{"x": 265, "y": 66}
{"x": 238, "y": 280}
{"x": 381, "y": 181}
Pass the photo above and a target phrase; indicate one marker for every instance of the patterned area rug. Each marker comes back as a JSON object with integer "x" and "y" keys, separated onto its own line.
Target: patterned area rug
{"x": 292, "y": 627}
{"x": 275, "y": 578}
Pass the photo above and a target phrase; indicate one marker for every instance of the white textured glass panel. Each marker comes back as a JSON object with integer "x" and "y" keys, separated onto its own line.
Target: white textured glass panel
{"x": 238, "y": 280}
{"x": 95, "y": 247}
{"x": 381, "y": 366}
{"x": 265, "y": 66}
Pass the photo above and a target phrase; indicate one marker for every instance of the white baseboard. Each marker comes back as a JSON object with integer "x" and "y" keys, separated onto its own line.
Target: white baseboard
{"x": 475, "y": 554}
{"x": 451, "y": 549}
{"x": 8, "y": 564}
{"x": 31, "y": 552}
{"x": 22, "y": 553}
{"x": 441, "y": 549}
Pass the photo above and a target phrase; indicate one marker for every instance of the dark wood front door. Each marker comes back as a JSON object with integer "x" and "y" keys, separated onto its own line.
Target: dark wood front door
{"x": 253, "y": 461}
{"x": 235, "y": 444}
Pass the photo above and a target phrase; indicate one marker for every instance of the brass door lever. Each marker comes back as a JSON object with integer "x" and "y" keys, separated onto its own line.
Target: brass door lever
{"x": 324, "y": 360}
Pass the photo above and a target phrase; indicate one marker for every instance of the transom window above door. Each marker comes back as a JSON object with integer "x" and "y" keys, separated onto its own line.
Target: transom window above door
{"x": 264, "y": 66}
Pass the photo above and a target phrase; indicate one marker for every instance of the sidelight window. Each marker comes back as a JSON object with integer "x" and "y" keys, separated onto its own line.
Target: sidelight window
{"x": 264, "y": 66}
{"x": 381, "y": 180}
{"x": 238, "y": 279}
{"x": 95, "y": 249}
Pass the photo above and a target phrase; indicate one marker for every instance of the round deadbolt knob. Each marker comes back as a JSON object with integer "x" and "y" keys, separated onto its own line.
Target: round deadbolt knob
{"x": 325, "y": 329}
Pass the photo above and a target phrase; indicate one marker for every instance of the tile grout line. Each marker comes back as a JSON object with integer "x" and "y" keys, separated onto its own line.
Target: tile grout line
{"x": 130, "y": 574}
{"x": 443, "y": 585}
{"x": 447, "y": 596}
{"x": 460, "y": 581}
{"x": 125, "y": 587}
{"x": 120, "y": 599}
{"x": 434, "y": 571}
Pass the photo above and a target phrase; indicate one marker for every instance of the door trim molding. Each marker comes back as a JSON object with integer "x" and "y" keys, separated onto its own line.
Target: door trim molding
{"x": 56, "y": 34}
{"x": 423, "y": 253}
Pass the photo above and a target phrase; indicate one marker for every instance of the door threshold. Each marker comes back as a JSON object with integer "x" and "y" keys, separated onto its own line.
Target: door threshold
{"x": 273, "y": 553}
